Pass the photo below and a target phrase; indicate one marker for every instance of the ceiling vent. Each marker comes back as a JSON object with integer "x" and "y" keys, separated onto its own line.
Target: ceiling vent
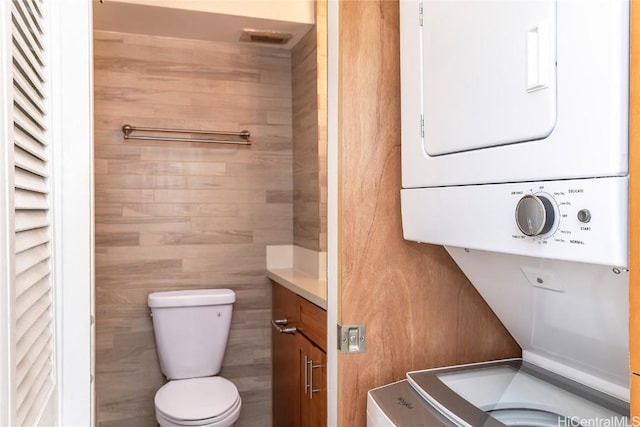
{"x": 266, "y": 37}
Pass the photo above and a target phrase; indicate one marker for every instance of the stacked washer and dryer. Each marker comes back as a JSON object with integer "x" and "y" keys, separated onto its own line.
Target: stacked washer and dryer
{"x": 515, "y": 158}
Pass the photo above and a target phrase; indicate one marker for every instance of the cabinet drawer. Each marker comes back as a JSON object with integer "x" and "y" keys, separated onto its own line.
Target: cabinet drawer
{"x": 313, "y": 322}
{"x": 285, "y": 304}
{"x": 309, "y": 319}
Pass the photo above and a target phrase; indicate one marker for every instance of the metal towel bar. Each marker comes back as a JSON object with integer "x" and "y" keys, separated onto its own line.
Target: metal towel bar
{"x": 245, "y": 135}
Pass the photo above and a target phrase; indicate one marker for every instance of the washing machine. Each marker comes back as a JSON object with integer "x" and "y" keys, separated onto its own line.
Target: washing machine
{"x": 509, "y": 392}
{"x": 571, "y": 321}
{"x": 398, "y": 404}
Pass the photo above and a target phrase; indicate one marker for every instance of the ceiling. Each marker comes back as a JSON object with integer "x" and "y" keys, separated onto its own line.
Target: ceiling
{"x": 204, "y": 20}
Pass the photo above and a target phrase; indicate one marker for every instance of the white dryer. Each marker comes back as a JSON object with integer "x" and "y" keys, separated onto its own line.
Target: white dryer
{"x": 513, "y": 90}
{"x": 515, "y": 126}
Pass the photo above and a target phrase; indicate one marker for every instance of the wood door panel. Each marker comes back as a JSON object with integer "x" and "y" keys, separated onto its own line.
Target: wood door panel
{"x": 419, "y": 309}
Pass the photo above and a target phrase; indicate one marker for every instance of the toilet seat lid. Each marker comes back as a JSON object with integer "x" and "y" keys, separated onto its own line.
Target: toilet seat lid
{"x": 196, "y": 398}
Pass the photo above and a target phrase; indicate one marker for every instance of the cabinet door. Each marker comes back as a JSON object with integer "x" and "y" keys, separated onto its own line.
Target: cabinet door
{"x": 313, "y": 391}
{"x": 285, "y": 377}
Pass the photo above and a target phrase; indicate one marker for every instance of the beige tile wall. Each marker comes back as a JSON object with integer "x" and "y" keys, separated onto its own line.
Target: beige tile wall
{"x": 321, "y": 40}
{"x": 309, "y": 60}
{"x": 180, "y": 215}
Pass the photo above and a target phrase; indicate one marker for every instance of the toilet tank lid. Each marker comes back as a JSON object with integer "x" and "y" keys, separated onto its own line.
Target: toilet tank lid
{"x": 189, "y": 298}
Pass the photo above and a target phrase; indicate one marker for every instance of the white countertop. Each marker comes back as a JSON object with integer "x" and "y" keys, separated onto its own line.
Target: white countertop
{"x": 309, "y": 288}
{"x": 300, "y": 270}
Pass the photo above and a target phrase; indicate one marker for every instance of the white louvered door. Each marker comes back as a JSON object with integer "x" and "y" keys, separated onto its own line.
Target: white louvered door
{"x": 32, "y": 329}
{"x": 46, "y": 170}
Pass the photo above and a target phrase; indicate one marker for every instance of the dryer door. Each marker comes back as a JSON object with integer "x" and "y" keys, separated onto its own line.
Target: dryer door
{"x": 484, "y": 100}
{"x": 489, "y": 73}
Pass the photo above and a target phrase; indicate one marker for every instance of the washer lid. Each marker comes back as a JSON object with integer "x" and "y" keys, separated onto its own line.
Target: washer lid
{"x": 470, "y": 394}
{"x": 196, "y": 398}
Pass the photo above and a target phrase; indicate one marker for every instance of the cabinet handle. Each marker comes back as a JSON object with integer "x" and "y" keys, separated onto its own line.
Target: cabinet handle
{"x": 306, "y": 374}
{"x": 281, "y": 326}
{"x": 310, "y": 367}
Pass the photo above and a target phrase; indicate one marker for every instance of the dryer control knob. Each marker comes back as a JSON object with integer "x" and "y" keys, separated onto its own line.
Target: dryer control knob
{"x": 535, "y": 215}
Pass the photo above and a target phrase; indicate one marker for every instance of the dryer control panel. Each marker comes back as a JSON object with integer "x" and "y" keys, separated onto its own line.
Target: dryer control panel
{"x": 583, "y": 220}
{"x": 561, "y": 216}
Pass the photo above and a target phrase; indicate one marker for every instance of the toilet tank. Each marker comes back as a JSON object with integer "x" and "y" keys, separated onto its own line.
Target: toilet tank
{"x": 191, "y": 329}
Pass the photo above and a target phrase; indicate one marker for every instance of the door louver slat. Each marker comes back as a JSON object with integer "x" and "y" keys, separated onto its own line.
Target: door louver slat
{"x": 33, "y": 336}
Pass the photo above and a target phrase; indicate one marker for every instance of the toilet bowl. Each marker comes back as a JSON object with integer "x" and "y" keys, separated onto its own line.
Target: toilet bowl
{"x": 191, "y": 330}
{"x": 206, "y": 402}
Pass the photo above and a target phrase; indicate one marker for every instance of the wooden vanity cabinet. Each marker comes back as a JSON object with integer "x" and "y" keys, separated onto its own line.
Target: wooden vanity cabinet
{"x": 299, "y": 360}
{"x": 313, "y": 392}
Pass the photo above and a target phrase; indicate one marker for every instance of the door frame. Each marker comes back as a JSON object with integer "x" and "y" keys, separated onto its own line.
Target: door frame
{"x": 71, "y": 42}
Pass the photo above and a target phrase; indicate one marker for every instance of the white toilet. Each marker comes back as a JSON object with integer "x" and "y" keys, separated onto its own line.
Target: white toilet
{"x": 191, "y": 329}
